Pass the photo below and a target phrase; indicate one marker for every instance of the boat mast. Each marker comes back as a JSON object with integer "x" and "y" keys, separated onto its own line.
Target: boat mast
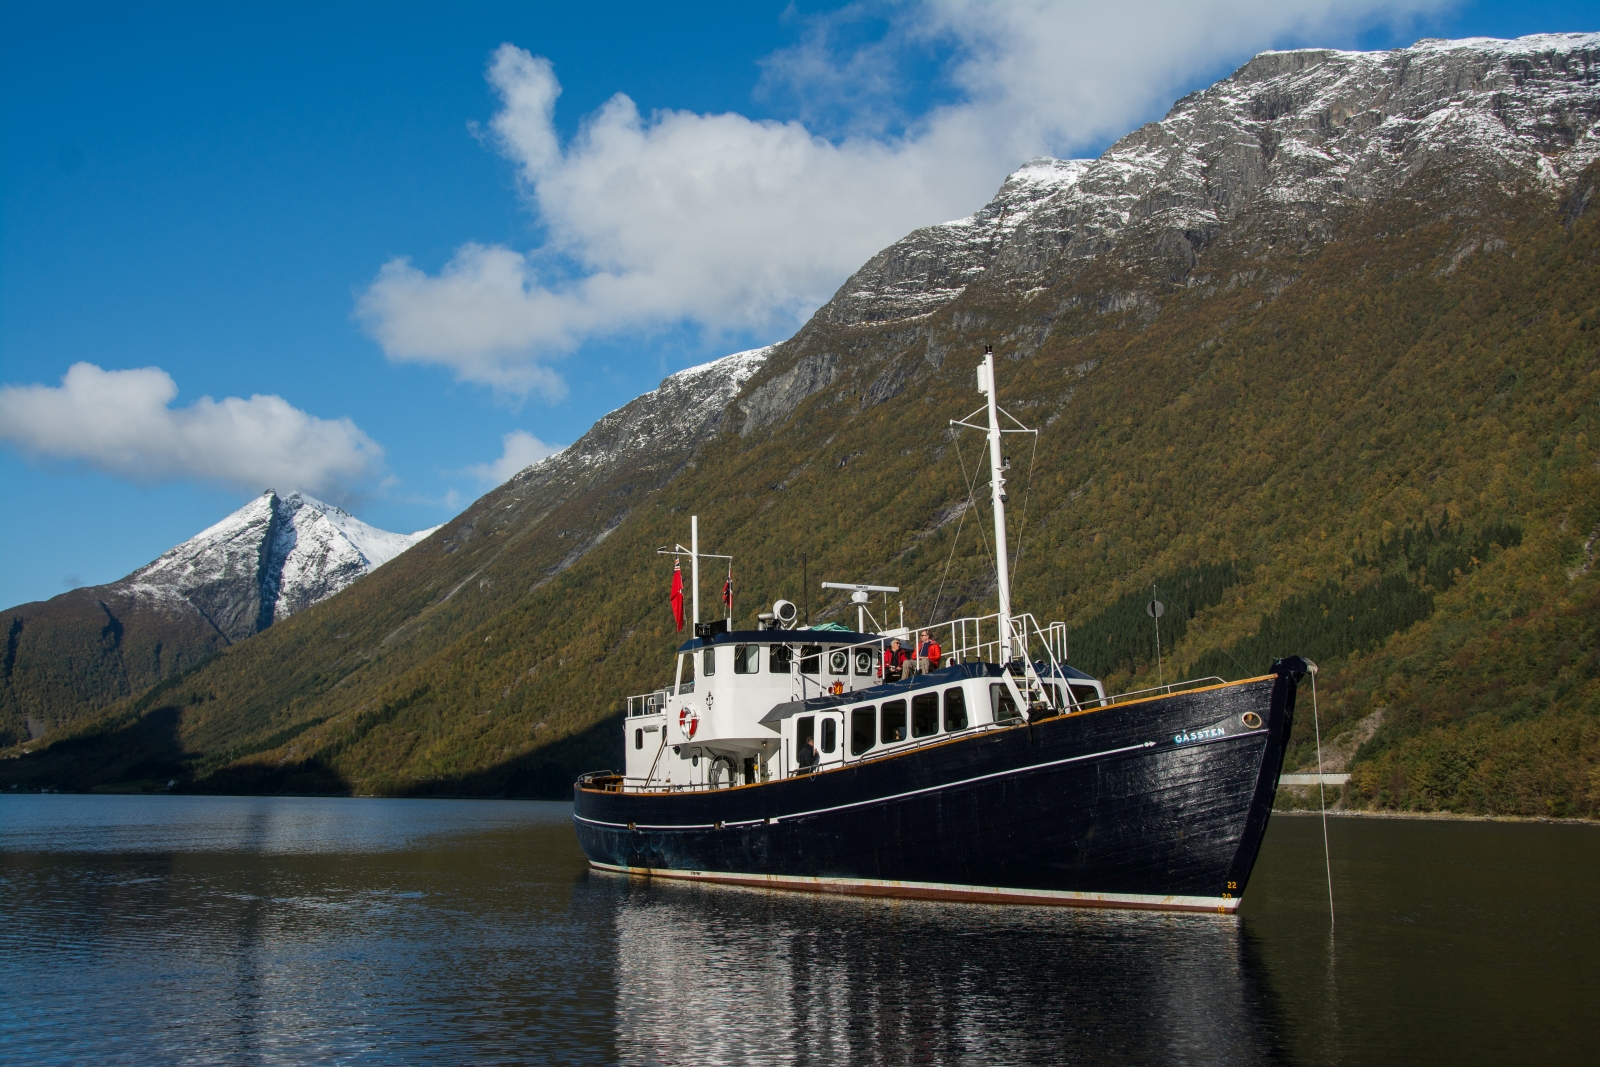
{"x": 694, "y": 566}
{"x": 997, "y": 489}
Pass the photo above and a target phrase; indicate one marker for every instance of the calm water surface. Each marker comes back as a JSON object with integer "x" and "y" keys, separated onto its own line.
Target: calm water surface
{"x": 213, "y": 930}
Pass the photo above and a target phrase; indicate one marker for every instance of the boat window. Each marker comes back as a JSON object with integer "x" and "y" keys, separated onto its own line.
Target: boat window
{"x": 708, "y": 662}
{"x": 894, "y": 721}
{"x": 638, "y": 739}
{"x": 839, "y": 662}
{"x": 863, "y": 663}
{"x": 1087, "y": 695}
{"x": 955, "y": 710}
{"x": 1001, "y": 704}
{"x": 778, "y": 659}
{"x": 863, "y": 729}
{"x": 924, "y": 714}
{"x": 830, "y": 734}
{"x": 810, "y": 659}
{"x": 746, "y": 659}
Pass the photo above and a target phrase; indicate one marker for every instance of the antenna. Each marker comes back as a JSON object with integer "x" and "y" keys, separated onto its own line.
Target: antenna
{"x": 859, "y": 595}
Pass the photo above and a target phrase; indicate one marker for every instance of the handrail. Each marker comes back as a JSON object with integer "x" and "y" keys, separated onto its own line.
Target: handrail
{"x": 1168, "y": 688}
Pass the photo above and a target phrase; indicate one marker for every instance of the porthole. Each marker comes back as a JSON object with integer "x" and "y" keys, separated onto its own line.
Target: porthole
{"x": 1252, "y": 721}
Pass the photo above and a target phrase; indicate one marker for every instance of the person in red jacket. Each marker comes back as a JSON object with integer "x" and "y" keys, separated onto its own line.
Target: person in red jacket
{"x": 928, "y": 653}
{"x": 896, "y": 662}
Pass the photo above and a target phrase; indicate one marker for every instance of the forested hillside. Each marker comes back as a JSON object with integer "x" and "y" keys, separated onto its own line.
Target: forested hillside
{"x": 1370, "y": 441}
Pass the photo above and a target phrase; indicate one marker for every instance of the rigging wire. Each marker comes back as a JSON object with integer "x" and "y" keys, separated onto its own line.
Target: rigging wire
{"x": 1027, "y": 498}
{"x": 933, "y": 615}
{"x": 972, "y": 503}
{"x": 1327, "y": 856}
{"x": 983, "y": 538}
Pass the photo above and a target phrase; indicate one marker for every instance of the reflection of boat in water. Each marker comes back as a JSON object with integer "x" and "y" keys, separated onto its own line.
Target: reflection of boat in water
{"x": 743, "y": 977}
{"x": 1002, "y": 775}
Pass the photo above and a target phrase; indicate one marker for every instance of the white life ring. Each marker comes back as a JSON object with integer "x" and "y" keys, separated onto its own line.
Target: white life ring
{"x": 688, "y": 722}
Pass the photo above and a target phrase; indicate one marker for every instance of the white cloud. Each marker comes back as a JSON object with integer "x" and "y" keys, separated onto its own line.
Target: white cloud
{"x": 520, "y": 450}
{"x": 727, "y": 223}
{"x": 121, "y": 421}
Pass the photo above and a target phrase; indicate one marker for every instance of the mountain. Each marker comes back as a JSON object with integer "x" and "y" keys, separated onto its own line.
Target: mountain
{"x": 1314, "y": 356}
{"x": 89, "y": 647}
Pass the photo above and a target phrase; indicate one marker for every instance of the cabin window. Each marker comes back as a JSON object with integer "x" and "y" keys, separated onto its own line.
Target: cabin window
{"x": 894, "y": 721}
{"x": 839, "y": 662}
{"x": 778, "y": 659}
{"x": 638, "y": 739}
{"x": 863, "y": 727}
{"x": 830, "y": 734}
{"x": 1001, "y": 704}
{"x": 1086, "y": 695}
{"x": 863, "y": 663}
{"x": 708, "y": 663}
{"x": 924, "y": 714}
{"x": 955, "y": 710}
{"x": 746, "y": 659}
{"x": 810, "y": 659}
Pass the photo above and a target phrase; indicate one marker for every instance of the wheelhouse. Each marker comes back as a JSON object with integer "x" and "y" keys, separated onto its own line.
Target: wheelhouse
{"x": 752, "y": 706}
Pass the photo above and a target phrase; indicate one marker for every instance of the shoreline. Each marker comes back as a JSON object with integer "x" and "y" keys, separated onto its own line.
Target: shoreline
{"x": 1437, "y": 816}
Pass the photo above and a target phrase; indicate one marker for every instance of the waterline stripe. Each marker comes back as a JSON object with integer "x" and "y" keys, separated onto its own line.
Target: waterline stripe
{"x": 874, "y": 887}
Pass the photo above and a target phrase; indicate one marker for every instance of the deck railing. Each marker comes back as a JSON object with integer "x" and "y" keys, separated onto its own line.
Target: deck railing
{"x": 649, "y": 703}
{"x": 1168, "y": 689}
{"x": 972, "y": 639}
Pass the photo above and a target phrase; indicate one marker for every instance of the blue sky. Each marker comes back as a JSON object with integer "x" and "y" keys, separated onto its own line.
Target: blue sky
{"x": 381, "y": 216}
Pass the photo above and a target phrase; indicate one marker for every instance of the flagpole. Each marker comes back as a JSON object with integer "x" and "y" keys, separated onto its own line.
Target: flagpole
{"x": 694, "y": 565}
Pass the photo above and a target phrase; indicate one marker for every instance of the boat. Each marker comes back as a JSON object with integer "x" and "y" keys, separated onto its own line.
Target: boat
{"x": 789, "y": 757}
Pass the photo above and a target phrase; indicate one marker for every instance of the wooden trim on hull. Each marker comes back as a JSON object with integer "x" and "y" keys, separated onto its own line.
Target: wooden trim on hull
{"x": 971, "y": 894}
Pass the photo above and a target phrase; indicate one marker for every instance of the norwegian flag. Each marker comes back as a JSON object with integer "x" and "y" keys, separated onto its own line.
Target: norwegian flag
{"x": 727, "y": 592}
{"x": 676, "y": 596}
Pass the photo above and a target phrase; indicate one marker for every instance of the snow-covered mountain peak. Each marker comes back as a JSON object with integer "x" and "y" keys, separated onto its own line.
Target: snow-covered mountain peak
{"x": 376, "y": 546}
{"x": 274, "y": 556}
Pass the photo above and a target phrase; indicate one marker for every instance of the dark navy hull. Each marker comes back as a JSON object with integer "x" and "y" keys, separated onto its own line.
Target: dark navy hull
{"x": 1159, "y": 803}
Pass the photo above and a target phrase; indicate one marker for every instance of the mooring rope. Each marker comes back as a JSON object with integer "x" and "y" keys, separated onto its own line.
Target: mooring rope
{"x": 1327, "y": 856}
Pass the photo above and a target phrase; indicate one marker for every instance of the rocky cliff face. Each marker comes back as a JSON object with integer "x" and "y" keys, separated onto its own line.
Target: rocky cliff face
{"x": 930, "y": 267}
{"x": 684, "y": 410}
{"x": 1295, "y": 137}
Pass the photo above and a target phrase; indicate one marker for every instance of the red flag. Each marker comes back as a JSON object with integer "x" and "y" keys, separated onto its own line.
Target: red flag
{"x": 677, "y": 594}
{"x": 727, "y": 592}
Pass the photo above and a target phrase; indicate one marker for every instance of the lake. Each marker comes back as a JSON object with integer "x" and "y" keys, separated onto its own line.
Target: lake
{"x": 240, "y": 930}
